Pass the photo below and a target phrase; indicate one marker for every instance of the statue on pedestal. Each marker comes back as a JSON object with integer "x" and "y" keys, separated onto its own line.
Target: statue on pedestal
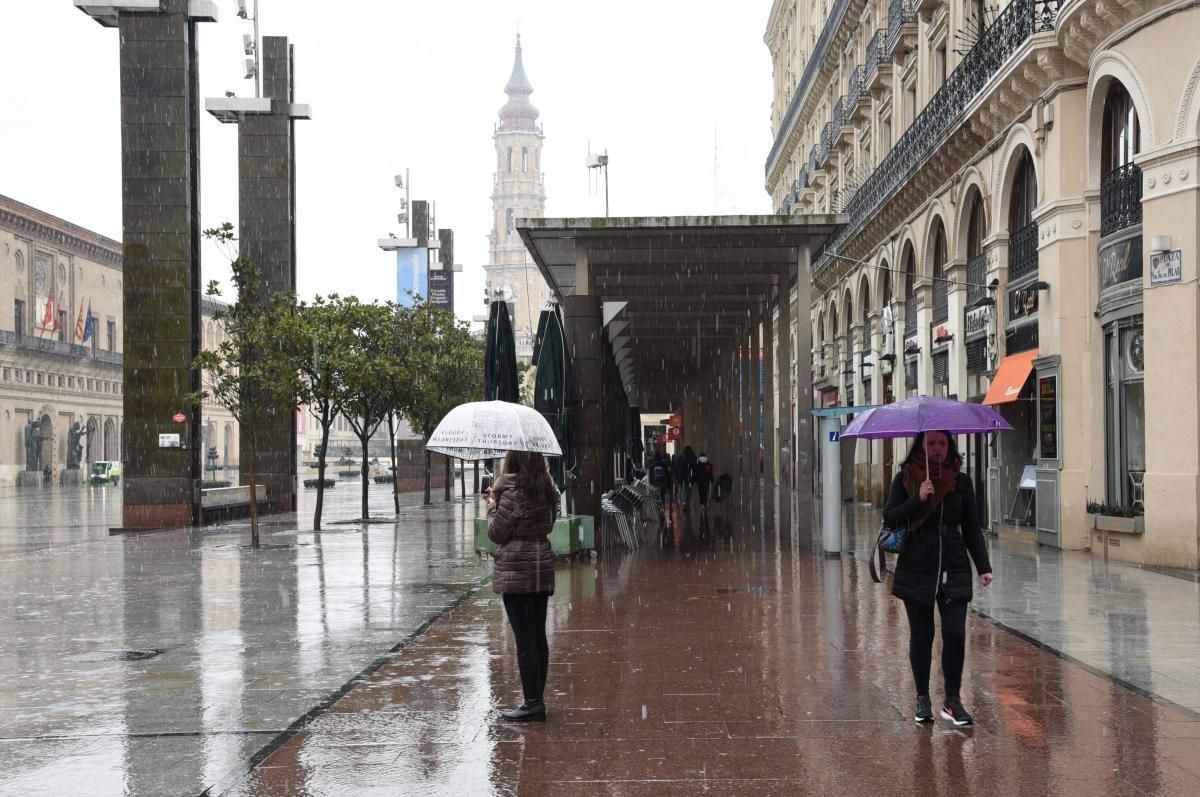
{"x": 75, "y": 446}
{"x": 32, "y": 440}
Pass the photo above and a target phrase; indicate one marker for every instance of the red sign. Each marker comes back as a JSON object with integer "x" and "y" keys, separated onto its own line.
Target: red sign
{"x": 179, "y": 417}
{"x": 675, "y": 433}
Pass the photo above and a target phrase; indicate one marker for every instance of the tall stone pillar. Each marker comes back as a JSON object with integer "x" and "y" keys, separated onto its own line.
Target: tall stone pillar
{"x": 787, "y": 451}
{"x": 267, "y": 230}
{"x": 756, "y": 391}
{"x": 584, "y": 322}
{"x": 804, "y": 394}
{"x": 160, "y": 149}
{"x": 770, "y": 404}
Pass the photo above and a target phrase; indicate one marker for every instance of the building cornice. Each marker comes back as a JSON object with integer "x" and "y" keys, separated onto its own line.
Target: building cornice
{"x": 51, "y": 230}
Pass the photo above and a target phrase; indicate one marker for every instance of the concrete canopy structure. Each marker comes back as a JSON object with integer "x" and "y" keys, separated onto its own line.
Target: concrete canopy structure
{"x": 673, "y": 305}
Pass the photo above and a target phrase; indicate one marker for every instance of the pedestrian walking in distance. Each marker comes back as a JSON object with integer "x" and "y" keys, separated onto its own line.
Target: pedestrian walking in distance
{"x": 936, "y": 503}
{"x": 702, "y": 476}
{"x": 522, "y": 505}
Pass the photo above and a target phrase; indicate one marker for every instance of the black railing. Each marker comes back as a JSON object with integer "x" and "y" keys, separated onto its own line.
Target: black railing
{"x": 941, "y": 300}
{"x": 1121, "y": 199}
{"x": 1023, "y": 252}
{"x": 812, "y": 68}
{"x": 874, "y": 55}
{"x": 900, "y": 13}
{"x": 1012, "y": 28}
{"x": 856, "y": 93}
{"x": 910, "y": 316}
{"x": 976, "y": 274}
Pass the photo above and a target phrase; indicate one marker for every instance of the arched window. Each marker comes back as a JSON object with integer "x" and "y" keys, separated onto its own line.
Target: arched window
{"x": 524, "y": 159}
{"x": 941, "y": 306}
{"x": 1121, "y": 137}
{"x": 510, "y": 160}
{"x": 1024, "y": 193}
{"x": 910, "y": 296}
{"x": 865, "y": 304}
{"x": 1121, "y": 179}
{"x": 509, "y": 220}
{"x": 976, "y": 258}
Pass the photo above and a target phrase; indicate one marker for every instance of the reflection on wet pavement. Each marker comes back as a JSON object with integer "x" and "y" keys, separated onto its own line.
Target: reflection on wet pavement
{"x": 725, "y": 665}
{"x": 715, "y": 660}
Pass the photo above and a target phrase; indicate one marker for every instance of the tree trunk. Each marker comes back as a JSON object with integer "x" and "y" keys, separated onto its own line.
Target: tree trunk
{"x": 395, "y": 473}
{"x": 364, "y": 439}
{"x": 449, "y": 480}
{"x": 253, "y": 492}
{"x": 325, "y": 423}
{"x": 428, "y": 474}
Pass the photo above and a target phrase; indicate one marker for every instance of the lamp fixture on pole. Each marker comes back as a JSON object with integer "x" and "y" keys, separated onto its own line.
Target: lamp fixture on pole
{"x": 251, "y": 48}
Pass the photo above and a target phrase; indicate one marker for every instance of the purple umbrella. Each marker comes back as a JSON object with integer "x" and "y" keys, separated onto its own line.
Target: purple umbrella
{"x": 912, "y": 416}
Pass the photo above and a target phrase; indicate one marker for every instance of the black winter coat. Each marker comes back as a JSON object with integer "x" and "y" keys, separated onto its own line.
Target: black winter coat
{"x": 934, "y": 555}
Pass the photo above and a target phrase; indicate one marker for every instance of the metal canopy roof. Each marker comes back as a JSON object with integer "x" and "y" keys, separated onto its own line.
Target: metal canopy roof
{"x": 688, "y": 282}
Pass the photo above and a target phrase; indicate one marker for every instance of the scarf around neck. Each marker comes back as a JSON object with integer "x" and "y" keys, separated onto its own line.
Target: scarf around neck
{"x": 915, "y": 473}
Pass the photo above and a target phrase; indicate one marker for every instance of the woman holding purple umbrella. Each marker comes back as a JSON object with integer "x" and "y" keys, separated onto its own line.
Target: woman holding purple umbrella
{"x": 935, "y": 501}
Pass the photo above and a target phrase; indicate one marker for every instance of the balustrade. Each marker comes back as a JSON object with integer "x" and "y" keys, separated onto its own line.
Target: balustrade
{"x": 1121, "y": 199}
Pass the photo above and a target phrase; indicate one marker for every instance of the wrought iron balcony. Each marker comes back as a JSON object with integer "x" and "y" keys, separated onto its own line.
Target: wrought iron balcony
{"x": 976, "y": 274}
{"x": 1023, "y": 252}
{"x": 874, "y": 57}
{"x": 1121, "y": 199}
{"x": 910, "y": 316}
{"x": 828, "y": 136}
{"x": 1011, "y": 29}
{"x": 900, "y": 14}
{"x": 812, "y": 68}
{"x": 857, "y": 92}
{"x": 941, "y": 301}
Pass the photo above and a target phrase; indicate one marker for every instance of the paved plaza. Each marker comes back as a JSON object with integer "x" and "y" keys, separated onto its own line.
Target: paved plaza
{"x": 721, "y": 658}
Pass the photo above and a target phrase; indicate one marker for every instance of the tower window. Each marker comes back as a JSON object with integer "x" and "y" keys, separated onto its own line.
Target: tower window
{"x": 510, "y": 160}
{"x": 509, "y": 222}
{"x": 524, "y": 159}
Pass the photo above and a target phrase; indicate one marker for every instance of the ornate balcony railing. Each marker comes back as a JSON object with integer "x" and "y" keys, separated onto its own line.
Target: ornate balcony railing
{"x": 976, "y": 274}
{"x": 941, "y": 301}
{"x": 910, "y": 316}
{"x": 828, "y": 139}
{"x": 1121, "y": 199}
{"x": 1011, "y": 29}
{"x": 900, "y": 13}
{"x": 812, "y": 68}
{"x": 857, "y": 89}
{"x": 874, "y": 55}
{"x": 1023, "y": 252}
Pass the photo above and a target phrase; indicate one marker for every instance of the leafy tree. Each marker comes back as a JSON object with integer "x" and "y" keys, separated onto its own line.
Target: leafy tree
{"x": 319, "y": 342}
{"x": 447, "y": 371}
{"x": 370, "y": 374}
{"x": 249, "y": 372}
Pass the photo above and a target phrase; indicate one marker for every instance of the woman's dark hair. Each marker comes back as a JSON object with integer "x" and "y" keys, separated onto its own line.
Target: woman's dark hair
{"x": 918, "y": 447}
{"x": 530, "y": 474}
{"x": 689, "y": 454}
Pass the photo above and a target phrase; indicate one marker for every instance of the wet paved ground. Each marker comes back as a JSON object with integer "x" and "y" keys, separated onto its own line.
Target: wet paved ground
{"x": 715, "y": 660}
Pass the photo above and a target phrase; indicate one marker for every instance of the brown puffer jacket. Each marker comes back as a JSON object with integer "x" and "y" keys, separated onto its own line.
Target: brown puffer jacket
{"x": 520, "y": 525}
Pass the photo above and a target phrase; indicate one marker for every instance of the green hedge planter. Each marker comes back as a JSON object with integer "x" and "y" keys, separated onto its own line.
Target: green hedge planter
{"x": 570, "y": 535}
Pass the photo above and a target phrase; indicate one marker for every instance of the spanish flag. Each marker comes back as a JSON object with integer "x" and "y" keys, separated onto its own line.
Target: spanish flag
{"x": 79, "y": 324}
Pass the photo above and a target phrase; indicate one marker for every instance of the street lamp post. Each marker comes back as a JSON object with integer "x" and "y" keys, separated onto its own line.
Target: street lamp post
{"x": 252, "y": 70}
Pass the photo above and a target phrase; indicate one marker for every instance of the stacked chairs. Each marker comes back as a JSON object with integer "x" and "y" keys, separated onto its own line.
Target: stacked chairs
{"x": 627, "y": 510}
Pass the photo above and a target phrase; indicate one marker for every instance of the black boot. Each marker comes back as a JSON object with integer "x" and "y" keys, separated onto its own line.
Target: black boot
{"x": 529, "y": 711}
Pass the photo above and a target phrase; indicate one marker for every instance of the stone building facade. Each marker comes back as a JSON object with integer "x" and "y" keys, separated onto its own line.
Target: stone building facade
{"x": 1020, "y": 184}
{"x": 518, "y": 192}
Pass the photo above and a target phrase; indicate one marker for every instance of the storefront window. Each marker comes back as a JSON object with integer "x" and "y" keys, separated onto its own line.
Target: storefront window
{"x": 1125, "y": 412}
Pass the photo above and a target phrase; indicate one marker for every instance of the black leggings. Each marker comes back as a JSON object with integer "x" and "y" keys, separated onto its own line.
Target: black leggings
{"x": 527, "y": 616}
{"x": 954, "y": 643}
{"x": 702, "y": 487}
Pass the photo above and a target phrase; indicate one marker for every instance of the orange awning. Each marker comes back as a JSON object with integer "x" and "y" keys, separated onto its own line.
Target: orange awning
{"x": 1010, "y": 378}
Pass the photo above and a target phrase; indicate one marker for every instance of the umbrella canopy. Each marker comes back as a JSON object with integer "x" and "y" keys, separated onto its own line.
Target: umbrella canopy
{"x": 500, "y": 356}
{"x": 490, "y": 429}
{"x": 554, "y": 386}
{"x": 912, "y": 416}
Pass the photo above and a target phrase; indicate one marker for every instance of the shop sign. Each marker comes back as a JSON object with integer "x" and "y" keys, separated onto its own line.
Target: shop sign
{"x": 1166, "y": 267}
{"x": 978, "y": 321}
{"x": 829, "y": 398}
{"x": 1022, "y": 303}
{"x": 1048, "y": 416}
{"x": 1120, "y": 262}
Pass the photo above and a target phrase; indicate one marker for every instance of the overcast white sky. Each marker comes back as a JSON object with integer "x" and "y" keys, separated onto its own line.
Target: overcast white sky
{"x": 417, "y": 85}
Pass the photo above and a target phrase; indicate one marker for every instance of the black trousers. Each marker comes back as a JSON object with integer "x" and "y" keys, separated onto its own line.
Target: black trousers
{"x": 703, "y": 488}
{"x": 954, "y": 643}
{"x": 527, "y": 616}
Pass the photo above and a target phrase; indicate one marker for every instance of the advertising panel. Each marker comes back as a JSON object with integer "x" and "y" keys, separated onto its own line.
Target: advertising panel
{"x": 412, "y": 274}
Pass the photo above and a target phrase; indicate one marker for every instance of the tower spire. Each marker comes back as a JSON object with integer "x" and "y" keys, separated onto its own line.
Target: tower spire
{"x": 518, "y": 113}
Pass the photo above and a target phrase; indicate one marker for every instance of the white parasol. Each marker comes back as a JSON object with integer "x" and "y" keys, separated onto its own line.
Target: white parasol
{"x": 490, "y": 429}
